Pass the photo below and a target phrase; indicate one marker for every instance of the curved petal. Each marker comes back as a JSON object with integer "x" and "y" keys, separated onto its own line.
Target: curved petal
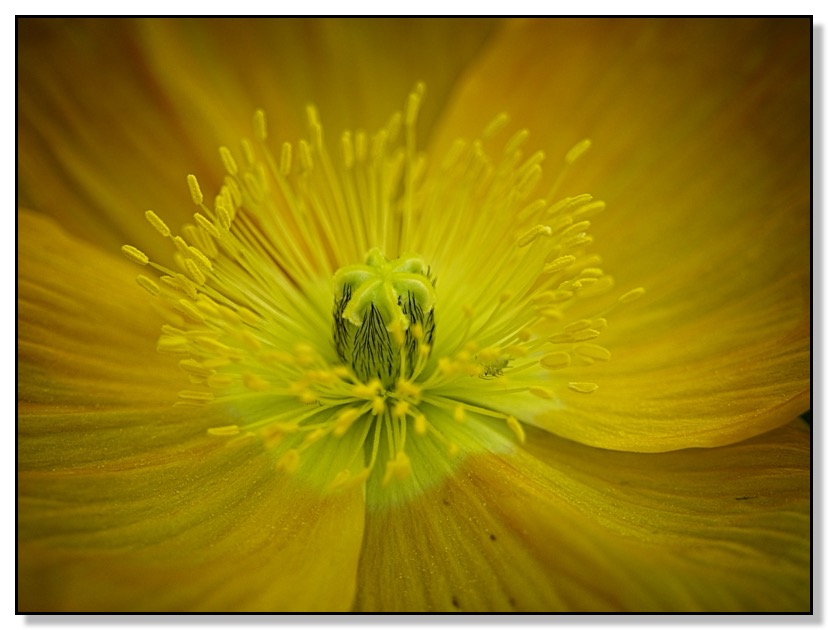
{"x": 84, "y": 325}
{"x": 566, "y": 527}
{"x": 114, "y": 113}
{"x": 216, "y": 529}
{"x": 701, "y": 150}
{"x": 125, "y": 502}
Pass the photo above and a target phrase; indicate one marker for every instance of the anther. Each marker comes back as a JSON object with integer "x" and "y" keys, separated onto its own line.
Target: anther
{"x": 594, "y": 351}
{"x": 260, "y": 125}
{"x": 534, "y": 233}
{"x": 135, "y": 254}
{"x": 228, "y": 161}
{"x": 195, "y": 272}
{"x": 555, "y": 360}
{"x": 285, "y": 159}
{"x": 195, "y": 190}
{"x": 631, "y": 296}
{"x": 497, "y": 123}
{"x": 516, "y": 428}
{"x": 577, "y": 151}
{"x": 157, "y": 223}
{"x": 559, "y": 264}
{"x": 542, "y": 392}
{"x": 583, "y": 388}
{"x": 149, "y": 285}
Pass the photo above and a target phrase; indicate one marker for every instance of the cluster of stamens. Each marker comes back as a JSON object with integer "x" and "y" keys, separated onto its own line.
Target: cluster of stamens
{"x": 258, "y": 324}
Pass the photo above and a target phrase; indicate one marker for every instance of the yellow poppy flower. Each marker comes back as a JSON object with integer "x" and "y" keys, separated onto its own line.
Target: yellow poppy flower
{"x": 387, "y": 370}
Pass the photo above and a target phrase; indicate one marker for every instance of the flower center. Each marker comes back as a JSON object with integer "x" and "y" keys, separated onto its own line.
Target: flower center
{"x": 383, "y": 317}
{"x": 333, "y": 365}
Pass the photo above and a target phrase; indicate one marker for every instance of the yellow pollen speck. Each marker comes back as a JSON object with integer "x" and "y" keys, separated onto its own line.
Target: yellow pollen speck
{"x": 378, "y": 405}
{"x": 420, "y": 424}
{"x": 225, "y": 431}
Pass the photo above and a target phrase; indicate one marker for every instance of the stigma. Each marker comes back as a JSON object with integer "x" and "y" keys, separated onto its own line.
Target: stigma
{"x": 383, "y": 317}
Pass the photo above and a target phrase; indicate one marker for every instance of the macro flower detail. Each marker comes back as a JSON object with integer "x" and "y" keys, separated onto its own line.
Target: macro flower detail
{"x": 407, "y": 363}
{"x": 272, "y": 310}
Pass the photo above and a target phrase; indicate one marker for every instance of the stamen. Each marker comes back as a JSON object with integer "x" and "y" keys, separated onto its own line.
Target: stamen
{"x": 157, "y": 223}
{"x": 631, "y": 296}
{"x": 583, "y": 388}
{"x": 135, "y": 254}
{"x": 195, "y": 190}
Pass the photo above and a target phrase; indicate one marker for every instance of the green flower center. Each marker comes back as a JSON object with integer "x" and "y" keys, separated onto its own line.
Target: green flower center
{"x": 383, "y": 317}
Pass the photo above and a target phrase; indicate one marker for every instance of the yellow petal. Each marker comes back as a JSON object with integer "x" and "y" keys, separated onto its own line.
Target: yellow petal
{"x": 217, "y": 530}
{"x": 700, "y": 147}
{"x": 128, "y": 503}
{"x": 567, "y": 527}
{"x": 115, "y": 113}
{"x": 86, "y": 329}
